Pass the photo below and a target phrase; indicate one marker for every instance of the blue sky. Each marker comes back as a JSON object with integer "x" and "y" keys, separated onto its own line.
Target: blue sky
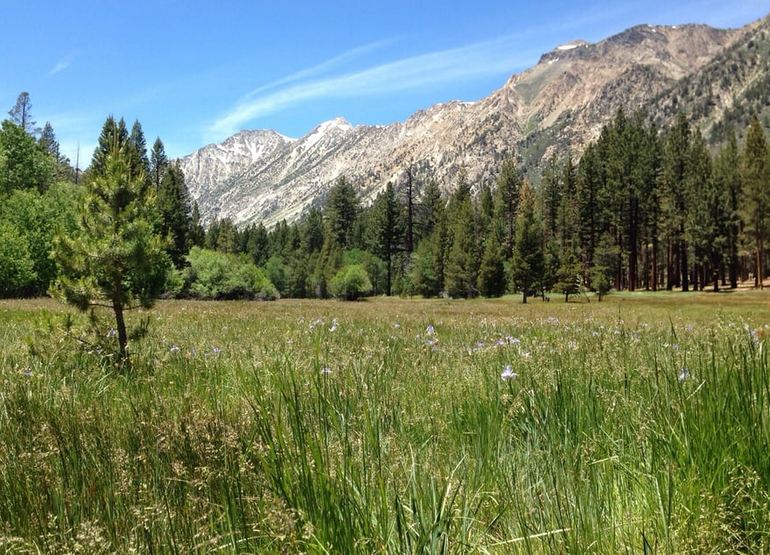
{"x": 195, "y": 71}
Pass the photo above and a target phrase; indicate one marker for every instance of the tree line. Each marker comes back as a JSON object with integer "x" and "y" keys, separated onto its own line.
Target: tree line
{"x": 643, "y": 208}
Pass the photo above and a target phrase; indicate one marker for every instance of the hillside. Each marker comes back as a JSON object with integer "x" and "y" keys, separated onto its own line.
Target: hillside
{"x": 561, "y": 103}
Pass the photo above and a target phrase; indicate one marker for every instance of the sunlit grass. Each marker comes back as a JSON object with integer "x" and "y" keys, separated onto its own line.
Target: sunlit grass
{"x": 397, "y": 426}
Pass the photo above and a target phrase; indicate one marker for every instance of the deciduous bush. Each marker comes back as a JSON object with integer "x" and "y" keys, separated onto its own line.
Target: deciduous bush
{"x": 216, "y": 275}
{"x": 351, "y": 283}
{"x": 17, "y": 272}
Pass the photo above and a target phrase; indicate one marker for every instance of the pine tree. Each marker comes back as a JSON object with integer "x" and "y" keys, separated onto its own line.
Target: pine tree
{"x": 426, "y": 267}
{"x": 279, "y": 238}
{"x": 386, "y": 230}
{"x": 491, "y": 279}
{"x": 158, "y": 162}
{"x": 462, "y": 263}
{"x": 568, "y": 272}
{"x": 327, "y": 264}
{"x": 115, "y": 260}
{"x": 296, "y": 281}
{"x": 486, "y": 209}
{"x": 227, "y": 237}
{"x": 293, "y": 241}
{"x": 551, "y": 200}
{"x": 197, "y": 233}
{"x": 569, "y": 275}
{"x": 139, "y": 148}
{"x": 674, "y": 205}
{"x": 212, "y": 235}
{"x": 175, "y": 213}
{"x": 409, "y": 202}
{"x": 706, "y": 220}
{"x": 313, "y": 231}
{"x": 21, "y": 114}
{"x": 552, "y": 261}
{"x": 755, "y": 178}
{"x": 507, "y": 204}
{"x": 430, "y": 210}
{"x": 727, "y": 174}
{"x": 48, "y": 141}
{"x": 258, "y": 245}
{"x": 590, "y": 189}
{"x": 650, "y": 160}
{"x": 114, "y": 135}
{"x": 341, "y": 212}
{"x": 606, "y": 258}
{"x": 527, "y": 263}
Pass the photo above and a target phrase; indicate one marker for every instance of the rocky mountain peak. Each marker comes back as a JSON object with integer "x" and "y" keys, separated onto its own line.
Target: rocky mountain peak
{"x": 558, "y": 105}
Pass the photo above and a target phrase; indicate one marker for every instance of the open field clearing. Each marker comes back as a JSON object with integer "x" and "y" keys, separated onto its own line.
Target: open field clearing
{"x": 638, "y": 424}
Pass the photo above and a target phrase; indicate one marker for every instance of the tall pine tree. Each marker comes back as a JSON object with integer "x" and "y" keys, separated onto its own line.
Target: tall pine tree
{"x": 528, "y": 261}
{"x": 386, "y": 230}
{"x": 755, "y": 176}
{"x": 175, "y": 214}
{"x": 341, "y": 212}
{"x": 116, "y": 260}
{"x": 158, "y": 162}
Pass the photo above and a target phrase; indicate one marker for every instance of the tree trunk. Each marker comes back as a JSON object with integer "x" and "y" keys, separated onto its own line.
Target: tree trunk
{"x": 654, "y": 264}
{"x": 683, "y": 265}
{"x": 524, "y": 297}
{"x": 734, "y": 268}
{"x": 120, "y": 323}
{"x": 633, "y": 247}
{"x": 760, "y": 274}
{"x": 390, "y": 266}
{"x": 409, "y": 214}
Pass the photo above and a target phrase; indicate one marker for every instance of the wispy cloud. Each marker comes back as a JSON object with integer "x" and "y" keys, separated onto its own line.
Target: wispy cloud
{"x": 492, "y": 57}
{"x": 324, "y": 66}
{"x": 500, "y": 56}
{"x": 62, "y": 64}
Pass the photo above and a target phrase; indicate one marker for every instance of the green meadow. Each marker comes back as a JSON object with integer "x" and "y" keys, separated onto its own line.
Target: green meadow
{"x": 636, "y": 425}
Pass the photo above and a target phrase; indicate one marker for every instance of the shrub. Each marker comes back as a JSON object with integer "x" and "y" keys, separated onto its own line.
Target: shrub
{"x": 351, "y": 282}
{"x": 17, "y": 269}
{"x": 374, "y": 267}
{"x": 37, "y": 218}
{"x": 216, "y": 275}
{"x": 277, "y": 271}
{"x": 175, "y": 283}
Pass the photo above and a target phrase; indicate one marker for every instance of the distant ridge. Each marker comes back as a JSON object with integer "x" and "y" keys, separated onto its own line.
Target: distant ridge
{"x": 554, "y": 107}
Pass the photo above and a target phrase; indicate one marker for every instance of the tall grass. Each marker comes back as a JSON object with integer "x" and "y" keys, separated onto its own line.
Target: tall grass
{"x": 629, "y": 426}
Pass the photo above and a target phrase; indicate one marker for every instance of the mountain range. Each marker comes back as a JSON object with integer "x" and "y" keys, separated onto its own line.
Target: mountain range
{"x": 718, "y": 77}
